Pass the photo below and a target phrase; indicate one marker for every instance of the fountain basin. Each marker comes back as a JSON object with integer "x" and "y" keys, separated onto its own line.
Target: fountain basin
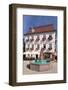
{"x": 40, "y": 65}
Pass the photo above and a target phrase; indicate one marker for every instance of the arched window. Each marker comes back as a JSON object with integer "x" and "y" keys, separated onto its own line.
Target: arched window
{"x": 50, "y": 37}
{"x": 44, "y": 38}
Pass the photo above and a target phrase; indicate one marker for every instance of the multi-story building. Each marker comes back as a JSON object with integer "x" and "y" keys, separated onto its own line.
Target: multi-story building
{"x": 41, "y": 37}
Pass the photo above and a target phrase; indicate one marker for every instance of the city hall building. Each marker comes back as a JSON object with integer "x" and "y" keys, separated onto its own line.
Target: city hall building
{"x": 38, "y": 38}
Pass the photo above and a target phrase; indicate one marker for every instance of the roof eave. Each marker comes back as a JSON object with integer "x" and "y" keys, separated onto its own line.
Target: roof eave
{"x": 39, "y": 32}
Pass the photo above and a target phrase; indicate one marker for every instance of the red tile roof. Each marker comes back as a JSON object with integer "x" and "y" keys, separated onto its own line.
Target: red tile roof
{"x": 41, "y": 29}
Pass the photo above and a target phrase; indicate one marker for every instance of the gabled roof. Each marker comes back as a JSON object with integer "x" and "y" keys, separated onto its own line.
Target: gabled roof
{"x": 41, "y": 29}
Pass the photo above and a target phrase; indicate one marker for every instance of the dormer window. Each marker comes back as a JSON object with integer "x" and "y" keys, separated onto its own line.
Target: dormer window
{"x": 50, "y": 37}
{"x": 33, "y": 30}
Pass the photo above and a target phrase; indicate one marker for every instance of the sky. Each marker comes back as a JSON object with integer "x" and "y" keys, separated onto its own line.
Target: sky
{"x": 34, "y": 21}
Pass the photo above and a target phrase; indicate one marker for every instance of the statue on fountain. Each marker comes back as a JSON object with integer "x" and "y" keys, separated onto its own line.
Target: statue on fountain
{"x": 41, "y": 55}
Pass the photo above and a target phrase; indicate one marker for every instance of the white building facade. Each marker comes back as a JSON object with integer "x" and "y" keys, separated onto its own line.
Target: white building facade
{"x": 35, "y": 41}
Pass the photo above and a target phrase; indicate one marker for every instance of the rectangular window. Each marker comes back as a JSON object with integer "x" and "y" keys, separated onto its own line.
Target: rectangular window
{"x": 37, "y": 39}
{"x": 37, "y": 47}
{"x": 44, "y": 38}
{"x": 27, "y": 47}
{"x": 32, "y": 47}
{"x": 44, "y": 46}
{"x": 50, "y": 47}
{"x": 31, "y": 39}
